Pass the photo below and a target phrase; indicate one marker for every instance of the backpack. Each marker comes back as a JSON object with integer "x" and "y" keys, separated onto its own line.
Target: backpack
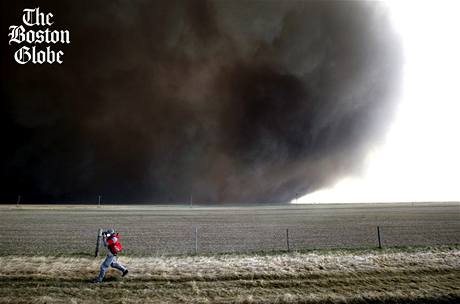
{"x": 114, "y": 245}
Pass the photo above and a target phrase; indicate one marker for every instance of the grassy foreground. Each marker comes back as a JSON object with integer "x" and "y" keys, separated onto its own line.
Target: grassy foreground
{"x": 421, "y": 275}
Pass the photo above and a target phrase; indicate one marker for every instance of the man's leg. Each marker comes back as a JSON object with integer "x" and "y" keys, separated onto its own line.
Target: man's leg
{"x": 104, "y": 267}
{"x": 119, "y": 266}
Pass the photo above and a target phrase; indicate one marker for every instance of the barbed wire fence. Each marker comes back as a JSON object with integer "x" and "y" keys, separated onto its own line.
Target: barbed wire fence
{"x": 214, "y": 240}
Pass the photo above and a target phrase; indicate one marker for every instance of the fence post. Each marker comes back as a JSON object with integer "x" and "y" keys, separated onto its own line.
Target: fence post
{"x": 98, "y": 241}
{"x": 196, "y": 240}
{"x": 378, "y": 236}
{"x": 287, "y": 240}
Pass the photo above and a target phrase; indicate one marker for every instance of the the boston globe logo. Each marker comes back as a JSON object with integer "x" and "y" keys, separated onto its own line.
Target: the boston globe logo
{"x": 35, "y": 32}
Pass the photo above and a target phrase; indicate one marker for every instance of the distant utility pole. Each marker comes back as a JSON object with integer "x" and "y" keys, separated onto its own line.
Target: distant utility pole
{"x": 99, "y": 198}
{"x": 18, "y": 201}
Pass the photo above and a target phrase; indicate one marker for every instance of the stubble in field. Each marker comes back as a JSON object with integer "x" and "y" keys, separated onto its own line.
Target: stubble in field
{"x": 388, "y": 276}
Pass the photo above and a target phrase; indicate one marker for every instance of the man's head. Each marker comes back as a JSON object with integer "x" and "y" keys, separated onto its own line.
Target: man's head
{"x": 109, "y": 232}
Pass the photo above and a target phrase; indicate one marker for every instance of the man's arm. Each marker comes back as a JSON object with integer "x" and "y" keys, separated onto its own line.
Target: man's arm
{"x": 104, "y": 239}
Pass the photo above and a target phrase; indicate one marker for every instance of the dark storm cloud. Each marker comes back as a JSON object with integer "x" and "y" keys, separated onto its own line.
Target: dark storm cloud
{"x": 233, "y": 101}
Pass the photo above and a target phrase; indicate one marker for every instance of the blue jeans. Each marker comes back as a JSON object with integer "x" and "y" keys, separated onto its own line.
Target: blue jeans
{"x": 110, "y": 261}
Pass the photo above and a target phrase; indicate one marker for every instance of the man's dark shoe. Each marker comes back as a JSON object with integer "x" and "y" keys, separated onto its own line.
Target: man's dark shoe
{"x": 125, "y": 273}
{"x": 96, "y": 281}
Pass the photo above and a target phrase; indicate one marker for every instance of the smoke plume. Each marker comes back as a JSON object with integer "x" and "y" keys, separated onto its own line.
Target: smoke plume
{"x": 231, "y": 101}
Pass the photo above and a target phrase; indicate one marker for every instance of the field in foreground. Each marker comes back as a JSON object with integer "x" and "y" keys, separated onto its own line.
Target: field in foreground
{"x": 417, "y": 275}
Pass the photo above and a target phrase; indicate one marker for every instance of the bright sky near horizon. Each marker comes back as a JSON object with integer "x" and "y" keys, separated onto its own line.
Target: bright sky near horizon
{"x": 420, "y": 160}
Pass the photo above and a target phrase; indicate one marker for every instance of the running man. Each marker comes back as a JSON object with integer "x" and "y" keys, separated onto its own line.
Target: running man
{"x": 111, "y": 241}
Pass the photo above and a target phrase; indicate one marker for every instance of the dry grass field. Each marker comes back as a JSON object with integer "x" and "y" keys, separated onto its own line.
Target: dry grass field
{"x": 420, "y": 275}
{"x": 46, "y": 254}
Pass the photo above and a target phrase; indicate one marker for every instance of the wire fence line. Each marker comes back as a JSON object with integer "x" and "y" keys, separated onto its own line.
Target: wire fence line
{"x": 208, "y": 240}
